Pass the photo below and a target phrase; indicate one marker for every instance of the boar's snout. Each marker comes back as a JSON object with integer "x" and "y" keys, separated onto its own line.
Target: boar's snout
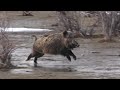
{"x": 73, "y": 45}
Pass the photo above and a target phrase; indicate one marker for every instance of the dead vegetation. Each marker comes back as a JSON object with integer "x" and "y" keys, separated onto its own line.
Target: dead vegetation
{"x": 6, "y": 45}
{"x": 110, "y": 21}
{"x": 27, "y": 13}
{"x": 75, "y": 21}
{"x": 86, "y": 23}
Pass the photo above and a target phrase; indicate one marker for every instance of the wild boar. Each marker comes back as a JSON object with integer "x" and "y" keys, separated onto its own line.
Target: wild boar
{"x": 56, "y": 44}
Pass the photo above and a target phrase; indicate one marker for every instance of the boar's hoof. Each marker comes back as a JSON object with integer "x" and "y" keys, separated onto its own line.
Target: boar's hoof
{"x": 35, "y": 64}
{"x": 74, "y": 57}
{"x": 68, "y": 57}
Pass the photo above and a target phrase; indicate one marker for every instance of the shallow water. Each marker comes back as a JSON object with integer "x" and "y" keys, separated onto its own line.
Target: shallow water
{"x": 26, "y": 30}
{"x": 94, "y": 60}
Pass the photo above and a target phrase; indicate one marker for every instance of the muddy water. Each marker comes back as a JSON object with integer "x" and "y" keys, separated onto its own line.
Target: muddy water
{"x": 94, "y": 61}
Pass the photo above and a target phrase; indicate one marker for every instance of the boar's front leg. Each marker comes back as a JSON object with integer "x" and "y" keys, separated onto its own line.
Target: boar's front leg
{"x": 37, "y": 55}
{"x": 65, "y": 53}
{"x": 68, "y": 57}
{"x": 71, "y": 54}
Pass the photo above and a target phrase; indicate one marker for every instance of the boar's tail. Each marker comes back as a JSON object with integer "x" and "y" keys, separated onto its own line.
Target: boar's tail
{"x": 35, "y": 37}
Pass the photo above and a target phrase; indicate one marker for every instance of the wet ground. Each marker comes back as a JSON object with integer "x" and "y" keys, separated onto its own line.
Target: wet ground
{"x": 94, "y": 61}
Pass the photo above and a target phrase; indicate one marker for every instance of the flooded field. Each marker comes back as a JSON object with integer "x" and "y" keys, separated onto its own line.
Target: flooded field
{"x": 94, "y": 61}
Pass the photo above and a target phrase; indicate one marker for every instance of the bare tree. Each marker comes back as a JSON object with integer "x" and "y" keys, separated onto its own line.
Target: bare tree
{"x": 68, "y": 21}
{"x": 6, "y": 45}
{"x": 110, "y": 23}
{"x": 116, "y": 24}
{"x": 73, "y": 21}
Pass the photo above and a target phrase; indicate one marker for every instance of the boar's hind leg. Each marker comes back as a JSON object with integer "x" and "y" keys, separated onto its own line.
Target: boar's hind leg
{"x": 35, "y": 60}
{"x": 71, "y": 54}
{"x": 37, "y": 56}
{"x": 29, "y": 57}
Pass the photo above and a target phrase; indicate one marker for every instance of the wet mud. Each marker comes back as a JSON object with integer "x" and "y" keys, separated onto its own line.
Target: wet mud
{"x": 94, "y": 61}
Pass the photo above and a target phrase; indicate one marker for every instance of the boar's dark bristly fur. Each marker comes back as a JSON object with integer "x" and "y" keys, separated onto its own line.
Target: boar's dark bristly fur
{"x": 60, "y": 43}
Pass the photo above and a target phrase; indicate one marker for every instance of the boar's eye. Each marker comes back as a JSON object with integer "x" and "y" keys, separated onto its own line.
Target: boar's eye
{"x": 65, "y": 34}
{"x": 75, "y": 43}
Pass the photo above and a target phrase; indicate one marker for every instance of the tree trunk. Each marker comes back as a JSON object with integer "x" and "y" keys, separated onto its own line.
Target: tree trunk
{"x": 107, "y": 22}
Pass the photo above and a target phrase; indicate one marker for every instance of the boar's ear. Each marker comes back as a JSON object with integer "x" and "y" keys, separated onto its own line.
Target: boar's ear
{"x": 65, "y": 33}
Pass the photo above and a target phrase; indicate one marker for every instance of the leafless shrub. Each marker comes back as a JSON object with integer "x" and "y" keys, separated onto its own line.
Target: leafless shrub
{"x": 110, "y": 23}
{"x": 6, "y": 45}
{"x": 67, "y": 21}
{"x": 75, "y": 21}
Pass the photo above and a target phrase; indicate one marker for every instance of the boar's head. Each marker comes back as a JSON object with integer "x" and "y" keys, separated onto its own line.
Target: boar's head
{"x": 69, "y": 40}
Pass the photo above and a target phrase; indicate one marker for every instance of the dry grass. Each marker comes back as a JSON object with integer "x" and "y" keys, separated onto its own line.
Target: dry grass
{"x": 6, "y": 45}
